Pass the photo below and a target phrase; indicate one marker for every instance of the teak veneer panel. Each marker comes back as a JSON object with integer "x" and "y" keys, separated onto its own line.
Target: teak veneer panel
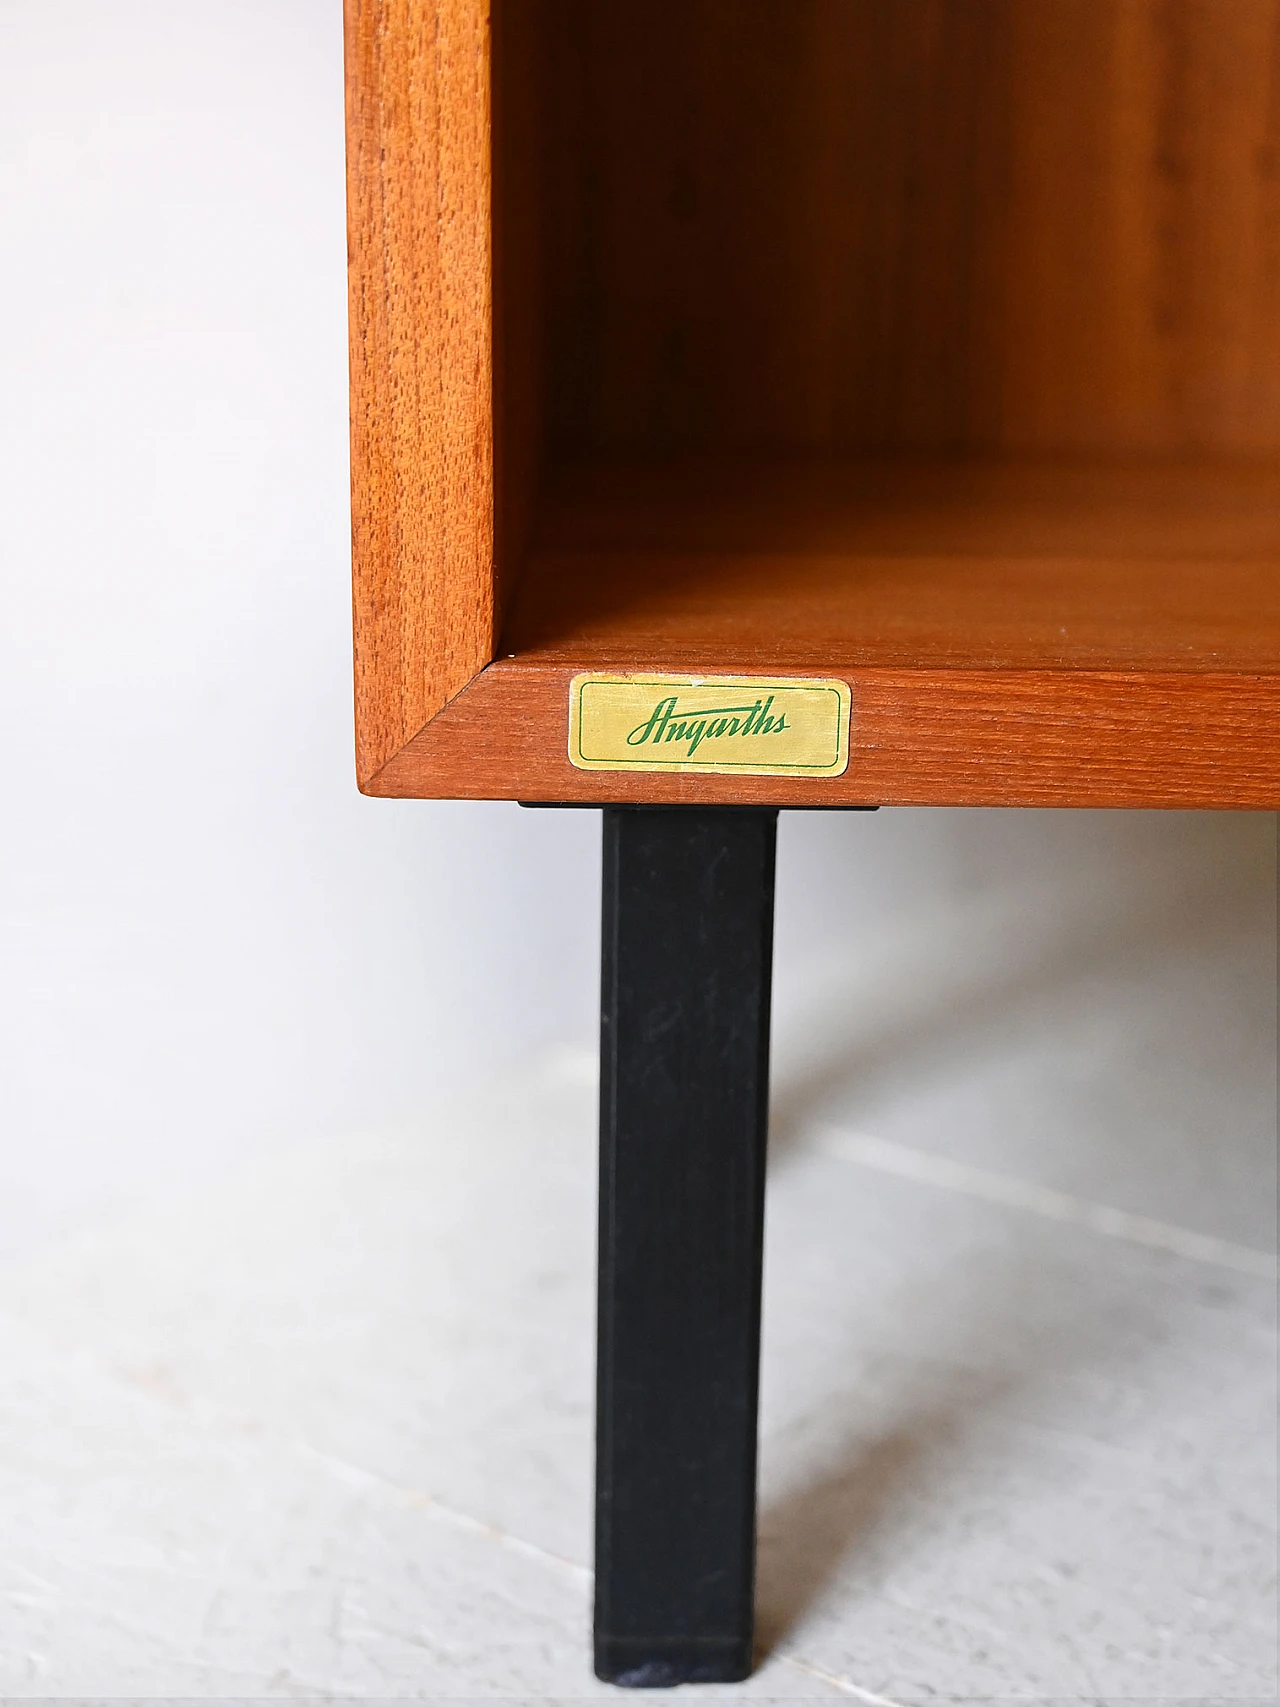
{"x": 418, "y": 159}
{"x": 919, "y": 738}
{"x": 916, "y": 566}
{"x": 991, "y": 226}
{"x": 926, "y": 343}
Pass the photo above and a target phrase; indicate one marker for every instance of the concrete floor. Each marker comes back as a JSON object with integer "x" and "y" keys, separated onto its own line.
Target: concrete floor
{"x": 326, "y": 1431}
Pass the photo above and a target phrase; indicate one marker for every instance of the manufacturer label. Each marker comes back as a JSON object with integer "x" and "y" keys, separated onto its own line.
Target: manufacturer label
{"x": 729, "y": 725}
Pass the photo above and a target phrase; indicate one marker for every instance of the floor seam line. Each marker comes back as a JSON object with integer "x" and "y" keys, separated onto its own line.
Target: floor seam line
{"x": 842, "y": 1683}
{"x": 905, "y": 1162}
{"x": 204, "y": 1409}
{"x": 439, "y": 1508}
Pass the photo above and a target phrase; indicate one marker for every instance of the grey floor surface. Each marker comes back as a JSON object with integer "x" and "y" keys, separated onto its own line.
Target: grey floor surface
{"x": 326, "y": 1432}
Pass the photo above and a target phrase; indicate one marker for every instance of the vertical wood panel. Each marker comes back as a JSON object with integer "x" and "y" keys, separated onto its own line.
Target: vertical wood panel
{"x": 994, "y": 226}
{"x": 521, "y": 44}
{"x": 421, "y": 363}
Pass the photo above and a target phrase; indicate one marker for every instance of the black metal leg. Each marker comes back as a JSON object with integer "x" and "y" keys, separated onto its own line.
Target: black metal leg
{"x": 688, "y": 935}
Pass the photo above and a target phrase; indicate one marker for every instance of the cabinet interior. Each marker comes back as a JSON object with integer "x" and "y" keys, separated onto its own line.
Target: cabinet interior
{"x": 938, "y": 329}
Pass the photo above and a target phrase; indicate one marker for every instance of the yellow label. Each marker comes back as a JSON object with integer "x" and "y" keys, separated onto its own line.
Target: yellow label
{"x": 728, "y": 725}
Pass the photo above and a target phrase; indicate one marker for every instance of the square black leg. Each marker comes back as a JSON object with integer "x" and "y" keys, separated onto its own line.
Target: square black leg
{"x": 687, "y": 950}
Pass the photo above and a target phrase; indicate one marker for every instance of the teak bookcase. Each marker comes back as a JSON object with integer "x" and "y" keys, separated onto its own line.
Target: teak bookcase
{"x": 929, "y": 344}
{"x": 930, "y": 347}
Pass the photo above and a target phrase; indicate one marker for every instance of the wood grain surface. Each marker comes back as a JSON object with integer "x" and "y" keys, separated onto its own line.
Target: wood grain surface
{"x": 930, "y": 344}
{"x": 921, "y": 565}
{"x": 919, "y": 737}
{"x": 421, "y": 360}
{"x": 834, "y": 226}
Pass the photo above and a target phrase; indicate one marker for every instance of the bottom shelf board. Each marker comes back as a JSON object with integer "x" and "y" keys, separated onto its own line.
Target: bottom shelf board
{"x": 908, "y": 566}
{"x": 1013, "y": 634}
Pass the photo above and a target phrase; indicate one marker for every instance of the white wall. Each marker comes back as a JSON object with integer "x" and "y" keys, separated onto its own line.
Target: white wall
{"x": 210, "y": 942}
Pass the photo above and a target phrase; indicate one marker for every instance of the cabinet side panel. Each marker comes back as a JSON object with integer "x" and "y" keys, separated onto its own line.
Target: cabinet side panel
{"x": 421, "y": 360}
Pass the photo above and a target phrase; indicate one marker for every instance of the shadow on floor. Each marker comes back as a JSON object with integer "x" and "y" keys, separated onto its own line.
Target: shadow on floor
{"x": 1223, "y": 887}
{"x": 869, "y": 1477}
